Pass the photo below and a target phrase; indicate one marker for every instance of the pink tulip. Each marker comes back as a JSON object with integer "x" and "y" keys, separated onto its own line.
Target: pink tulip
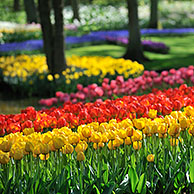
{"x": 99, "y": 91}
{"x": 79, "y": 87}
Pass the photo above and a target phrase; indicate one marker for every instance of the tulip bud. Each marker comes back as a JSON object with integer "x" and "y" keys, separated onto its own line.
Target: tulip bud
{"x": 68, "y": 149}
{"x": 80, "y": 156}
{"x": 58, "y": 142}
{"x": 128, "y": 141}
{"x": 4, "y": 158}
{"x": 45, "y": 149}
{"x": 137, "y": 145}
{"x": 174, "y": 130}
{"x": 28, "y": 131}
{"x": 150, "y": 158}
{"x": 18, "y": 154}
{"x": 5, "y": 145}
{"x": 79, "y": 148}
{"x": 137, "y": 135}
{"x": 96, "y": 138}
{"x": 29, "y": 147}
{"x": 184, "y": 123}
{"x": 86, "y": 132}
{"x": 74, "y": 138}
{"x": 44, "y": 157}
{"x": 37, "y": 149}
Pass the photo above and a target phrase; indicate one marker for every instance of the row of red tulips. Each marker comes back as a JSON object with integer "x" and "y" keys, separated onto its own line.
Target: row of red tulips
{"x": 119, "y": 87}
{"x": 73, "y": 115}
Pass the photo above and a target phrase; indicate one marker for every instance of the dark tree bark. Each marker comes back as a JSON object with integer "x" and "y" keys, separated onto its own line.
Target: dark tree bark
{"x": 16, "y": 5}
{"x": 134, "y": 47}
{"x": 31, "y": 12}
{"x": 47, "y": 31}
{"x": 59, "y": 57}
{"x": 153, "y": 23}
{"x": 75, "y": 8}
{"x": 53, "y": 35}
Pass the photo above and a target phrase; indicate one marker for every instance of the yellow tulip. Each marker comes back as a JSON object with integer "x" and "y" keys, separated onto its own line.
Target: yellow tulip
{"x": 44, "y": 157}
{"x": 79, "y": 148}
{"x": 74, "y": 138}
{"x": 191, "y": 130}
{"x": 128, "y": 141}
{"x": 5, "y": 145}
{"x": 137, "y": 145}
{"x": 86, "y": 132}
{"x": 174, "y": 130}
{"x": 80, "y": 156}
{"x": 152, "y": 113}
{"x": 139, "y": 123}
{"x": 184, "y": 123}
{"x": 4, "y": 157}
{"x": 96, "y": 138}
{"x": 150, "y": 158}
{"x": 58, "y": 142}
{"x": 18, "y": 154}
{"x": 68, "y": 149}
{"x": 162, "y": 128}
{"x": 122, "y": 133}
{"x": 29, "y": 147}
{"x": 137, "y": 135}
{"x": 45, "y": 149}
{"x": 28, "y": 131}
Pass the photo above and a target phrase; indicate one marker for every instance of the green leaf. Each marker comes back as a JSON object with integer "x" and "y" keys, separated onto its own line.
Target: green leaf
{"x": 7, "y": 190}
{"x": 133, "y": 160}
{"x": 191, "y": 171}
{"x": 141, "y": 183}
{"x": 133, "y": 178}
{"x": 105, "y": 175}
{"x": 95, "y": 187}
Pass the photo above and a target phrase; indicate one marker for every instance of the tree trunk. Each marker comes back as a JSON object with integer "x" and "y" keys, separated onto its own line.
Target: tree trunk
{"x": 75, "y": 7}
{"x": 153, "y": 23}
{"x": 31, "y": 12}
{"x": 16, "y": 5}
{"x": 59, "y": 57}
{"x": 53, "y": 35}
{"x": 134, "y": 47}
{"x": 47, "y": 31}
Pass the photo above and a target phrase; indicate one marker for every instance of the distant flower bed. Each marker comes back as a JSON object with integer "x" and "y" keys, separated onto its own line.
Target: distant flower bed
{"x": 148, "y": 45}
{"x": 95, "y": 18}
{"x": 93, "y": 37}
{"x": 38, "y": 44}
{"x": 30, "y": 71}
{"x": 119, "y": 87}
{"x": 22, "y": 32}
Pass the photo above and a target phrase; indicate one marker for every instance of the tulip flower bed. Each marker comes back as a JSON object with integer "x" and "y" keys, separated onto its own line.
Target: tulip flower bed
{"x": 28, "y": 75}
{"x": 119, "y": 87}
{"x": 29, "y": 43}
{"x": 148, "y": 45}
{"x": 145, "y": 155}
{"x": 73, "y": 115}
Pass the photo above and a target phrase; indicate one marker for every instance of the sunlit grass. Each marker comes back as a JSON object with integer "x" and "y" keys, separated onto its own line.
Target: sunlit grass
{"x": 181, "y": 52}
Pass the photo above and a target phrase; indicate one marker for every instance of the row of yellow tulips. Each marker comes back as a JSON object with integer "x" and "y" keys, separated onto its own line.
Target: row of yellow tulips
{"x": 112, "y": 134}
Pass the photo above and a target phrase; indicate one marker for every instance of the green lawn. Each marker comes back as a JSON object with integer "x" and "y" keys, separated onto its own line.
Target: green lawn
{"x": 181, "y": 52}
{"x": 97, "y": 50}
